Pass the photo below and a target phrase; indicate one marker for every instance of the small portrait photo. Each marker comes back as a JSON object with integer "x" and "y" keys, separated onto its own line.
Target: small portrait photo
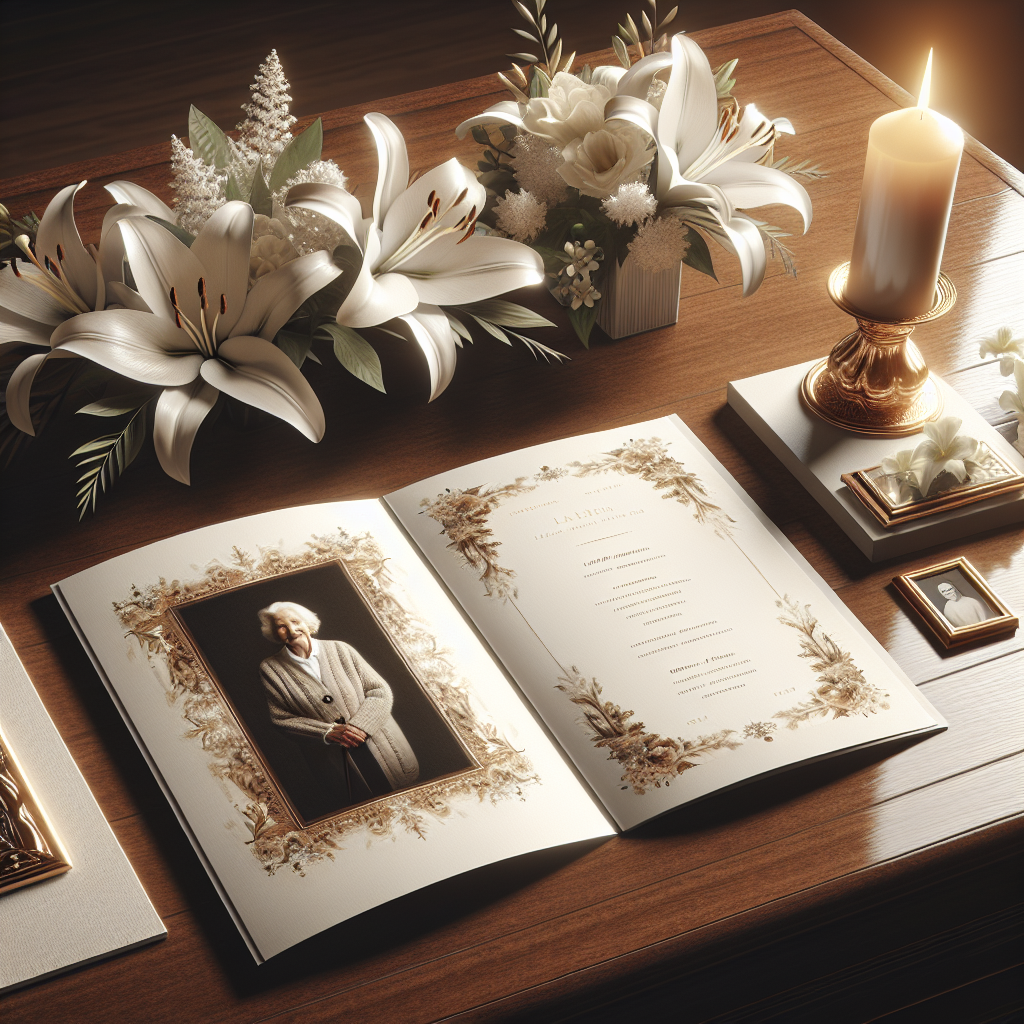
{"x": 956, "y": 602}
{"x": 334, "y": 712}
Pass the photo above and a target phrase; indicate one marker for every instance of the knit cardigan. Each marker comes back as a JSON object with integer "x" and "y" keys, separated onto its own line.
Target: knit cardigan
{"x": 296, "y": 701}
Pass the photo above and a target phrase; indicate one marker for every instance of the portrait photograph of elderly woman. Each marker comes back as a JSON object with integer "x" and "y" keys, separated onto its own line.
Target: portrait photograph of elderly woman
{"x": 332, "y": 709}
{"x": 955, "y": 598}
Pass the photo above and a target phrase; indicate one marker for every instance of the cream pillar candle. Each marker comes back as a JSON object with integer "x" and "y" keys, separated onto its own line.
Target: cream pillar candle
{"x": 909, "y": 178}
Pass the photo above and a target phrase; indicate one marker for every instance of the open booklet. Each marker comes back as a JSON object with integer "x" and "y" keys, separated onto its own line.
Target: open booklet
{"x": 346, "y": 702}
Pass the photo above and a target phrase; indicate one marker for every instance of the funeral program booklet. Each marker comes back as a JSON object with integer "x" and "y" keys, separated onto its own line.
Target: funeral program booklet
{"x": 332, "y": 731}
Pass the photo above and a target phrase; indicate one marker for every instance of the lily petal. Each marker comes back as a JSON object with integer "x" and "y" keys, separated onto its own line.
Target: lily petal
{"x": 180, "y": 412}
{"x": 159, "y": 262}
{"x": 135, "y": 195}
{"x": 139, "y": 345}
{"x": 16, "y": 329}
{"x": 376, "y": 299}
{"x": 743, "y": 238}
{"x": 503, "y": 112}
{"x": 276, "y": 296}
{"x": 689, "y": 109}
{"x": 126, "y": 297}
{"x": 429, "y": 328}
{"x": 25, "y": 299}
{"x": 941, "y": 432}
{"x": 637, "y": 80}
{"x": 392, "y": 164}
{"x": 450, "y": 272}
{"x": 962, "y": 448}
{"x": 19, "y": 389}
{"x": 447, "y": 181}
{"x": 222, "y": 247}
{"x": 255, "y": 372}
{"x": 58, "y": 228}
{"x": 331, "y": 202}
{"x": 748, "y": 185}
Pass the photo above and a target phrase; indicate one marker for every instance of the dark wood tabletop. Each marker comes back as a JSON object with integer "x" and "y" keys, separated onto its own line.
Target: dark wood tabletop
{"x": 882, "y": 883}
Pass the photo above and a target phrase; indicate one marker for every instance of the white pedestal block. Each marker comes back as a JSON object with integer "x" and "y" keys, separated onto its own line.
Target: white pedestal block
{"x": 817, "y": 454}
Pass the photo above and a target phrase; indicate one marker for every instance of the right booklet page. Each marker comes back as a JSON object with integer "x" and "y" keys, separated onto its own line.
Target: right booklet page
{"x": 670, "y": 637}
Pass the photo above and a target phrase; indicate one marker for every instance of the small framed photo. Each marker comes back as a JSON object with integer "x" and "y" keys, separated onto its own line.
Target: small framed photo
{"x": 955, "y": 602}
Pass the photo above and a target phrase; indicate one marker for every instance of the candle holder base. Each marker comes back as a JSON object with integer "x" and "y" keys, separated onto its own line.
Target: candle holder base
{"x": 875, "y": 381}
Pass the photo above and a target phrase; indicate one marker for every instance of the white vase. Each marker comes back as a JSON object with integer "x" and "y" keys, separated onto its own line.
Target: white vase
{"x": 635, "y": 300}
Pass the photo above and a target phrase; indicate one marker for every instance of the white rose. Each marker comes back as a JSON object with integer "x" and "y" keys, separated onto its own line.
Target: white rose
{"x": 605, "y": 159}
{"x": 570, "y": 110}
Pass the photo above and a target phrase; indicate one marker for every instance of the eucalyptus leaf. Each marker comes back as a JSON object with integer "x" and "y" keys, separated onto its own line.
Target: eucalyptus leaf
{"x": 175, "y": 229}
{"x": 526, "y": 35}
{"x": 698, "y": 255}
{"x": 530, "y": 58}
{"x": 539, "y": 83}
{"x": 356, "y": 354}
{"x": 299, "y": 153}
{"x": 505, "y": 313}
{"x": 480, "y": 136}
{"x": 259, "y": 197}
{"x": 207, "y": 140}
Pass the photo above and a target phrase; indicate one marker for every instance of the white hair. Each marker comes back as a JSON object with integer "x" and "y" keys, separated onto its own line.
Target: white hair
{"x": 269, "y": 614}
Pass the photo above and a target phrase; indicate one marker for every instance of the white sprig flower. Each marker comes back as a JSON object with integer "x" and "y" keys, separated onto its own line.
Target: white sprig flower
{"x": 942, "y": 451}
{"x": 1005, "y": 347}
{"x": 265, "y": 131}
{"x": 535, "y": 163}
{"x": 520, "y": 216}
{"x": 631, "y": 204}
{"x": 198, "y": 187}
{"x": 659, "y": 244}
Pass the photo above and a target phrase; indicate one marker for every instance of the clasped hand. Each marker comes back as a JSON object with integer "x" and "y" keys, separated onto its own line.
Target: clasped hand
{"x": 346, "y": 735}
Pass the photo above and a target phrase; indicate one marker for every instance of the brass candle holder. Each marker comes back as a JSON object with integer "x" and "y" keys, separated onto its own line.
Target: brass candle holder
{"x": 875, "y": 381}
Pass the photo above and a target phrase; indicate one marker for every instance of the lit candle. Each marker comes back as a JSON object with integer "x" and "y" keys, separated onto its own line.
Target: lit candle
{"x": 909, "y": 178}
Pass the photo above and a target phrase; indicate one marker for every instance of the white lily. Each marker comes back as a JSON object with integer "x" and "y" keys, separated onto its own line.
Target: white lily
{"x": 58, "y": 280}
{"x": 419, "y": 250}
{"x": 1005, "y": 347}
{"x": 193, "y": 328}
{"x": 942, "y": 451}
{"x": 899, "y": 470}
{"x": 707, "y": 166}
{"x": 1013, "y": 401}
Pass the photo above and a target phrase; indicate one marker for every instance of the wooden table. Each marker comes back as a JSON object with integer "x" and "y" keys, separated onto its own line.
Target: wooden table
{"x": 855, "y": 888}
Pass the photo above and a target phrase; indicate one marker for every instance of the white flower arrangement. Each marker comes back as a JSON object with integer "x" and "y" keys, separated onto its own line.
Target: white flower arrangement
{"x": 1010, "y": 353}
{"x": 650, "y": 159}
{"x": 944, "y": 450}
{"x": 224, "y": 293}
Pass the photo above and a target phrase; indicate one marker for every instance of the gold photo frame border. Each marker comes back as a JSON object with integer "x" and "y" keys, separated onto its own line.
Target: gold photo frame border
{"x": 874, "y": 500}
{"x": 48, "y": 857}
{"x": 297, "y": 820}
{"x": 949, "y": 635}
{"x": 147, "y": 616}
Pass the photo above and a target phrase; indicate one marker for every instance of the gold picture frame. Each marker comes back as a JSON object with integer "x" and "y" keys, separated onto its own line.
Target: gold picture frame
{"x": 941, "y": 610}
{"x": 892, "y": 505}
{"x": 29, "y": 848}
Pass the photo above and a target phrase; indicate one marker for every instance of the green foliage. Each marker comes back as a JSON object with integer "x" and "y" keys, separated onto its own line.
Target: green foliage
{"x": 356, "y": 354}
{"x": 629, "y": 34}
{"x": 583, "y": 319}
{"x": 497, "y": 317}
{"x": 259, "y": 196}
{"x": 207, "y": 140}
{"x": 231, "y": 189}
{"x": 107, "y": 458}
{"x": 300, "y": 152}
{"x": 179, "y": 232}
{"x": 698, "y": 255}
{"x": 294, "y": 344}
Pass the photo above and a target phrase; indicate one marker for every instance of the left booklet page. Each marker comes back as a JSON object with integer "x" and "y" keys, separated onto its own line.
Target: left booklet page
{"x": 352, "y": 743}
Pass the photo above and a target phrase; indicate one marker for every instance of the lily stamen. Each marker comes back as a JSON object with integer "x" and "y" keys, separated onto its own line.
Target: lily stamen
{"x": 199, "y": 336}
{"x": 427, "y": 230}
{"x": 51, "y": 281}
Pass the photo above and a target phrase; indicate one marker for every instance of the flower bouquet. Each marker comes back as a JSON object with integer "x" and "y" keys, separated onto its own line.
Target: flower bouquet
{"x": 617, "y": 176}
{"x": 222, "y": 297}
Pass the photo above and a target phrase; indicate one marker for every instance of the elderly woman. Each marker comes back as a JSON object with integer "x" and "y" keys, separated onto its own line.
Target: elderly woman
{"x": 960, "y": 610}
{"x": 326, "y": 692}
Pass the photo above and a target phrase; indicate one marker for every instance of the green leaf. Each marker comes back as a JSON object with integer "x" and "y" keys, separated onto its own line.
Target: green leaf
{"x": 553, "y": 259}
{"x": 491, "y": 329}
{"x": 480, "y": 137}
{"x": 259, "y": 197}
{"x": 458, "y": 327}
{"x": 539, "y": 83}
{"x": 116, "y": 405}
{"x": 294, "y": 344}
{"x": 207, "y": 140}
{"x": 621, "y": 52}
{"x": 356, "y": 354}
{"x": 115, "y": 453}
{"x": 299, "y": 153}
{"x": 698, "y": 255}
{"x": 508, "y": 314}
{"x": 179, "y": 232}
{"x": 583, "y": 320}
{"x": 231, "y": 189}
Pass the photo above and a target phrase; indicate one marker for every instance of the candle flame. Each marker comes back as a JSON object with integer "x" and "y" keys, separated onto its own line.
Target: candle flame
{"x": 926, "y": 82}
